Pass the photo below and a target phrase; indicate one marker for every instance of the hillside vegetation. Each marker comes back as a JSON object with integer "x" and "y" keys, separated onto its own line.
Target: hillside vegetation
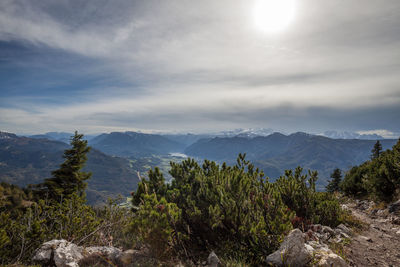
{"x": 132, "y": 144}
{"x": 26, "y": 161}
{"x": 378, "y": 178}
{"x": 233, "y": 210}
{"x": 56, "y": 209}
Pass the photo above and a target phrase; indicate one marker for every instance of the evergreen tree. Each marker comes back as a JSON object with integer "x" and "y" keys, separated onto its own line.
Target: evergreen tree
{"x": 334, "y": 183}
{"x": 376, "y": 151}
{"x": 69, "y": 178}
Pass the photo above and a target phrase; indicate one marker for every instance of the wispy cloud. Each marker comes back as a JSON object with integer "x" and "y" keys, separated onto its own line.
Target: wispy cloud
{"x": 106, "y": 65}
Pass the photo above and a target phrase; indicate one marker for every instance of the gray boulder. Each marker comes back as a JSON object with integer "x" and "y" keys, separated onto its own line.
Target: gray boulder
{"x": 292, "y": 251}
{"x": 60, "y": 252}
{"x": 329, "y": 259}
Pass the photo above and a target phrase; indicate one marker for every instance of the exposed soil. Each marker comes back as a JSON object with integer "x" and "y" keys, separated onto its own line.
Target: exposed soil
{"x": 378, "y": 244}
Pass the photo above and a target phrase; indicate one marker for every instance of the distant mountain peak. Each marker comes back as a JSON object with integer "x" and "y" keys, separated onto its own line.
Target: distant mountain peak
{"x": 350, "y": 135}
{"x": 6, "y": 135}
{"x": 247, "y": 133}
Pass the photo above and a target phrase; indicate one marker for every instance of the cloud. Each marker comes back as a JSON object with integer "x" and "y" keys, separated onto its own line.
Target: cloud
{"x": 199, "y": 65}
{"x": 382, "y": 132}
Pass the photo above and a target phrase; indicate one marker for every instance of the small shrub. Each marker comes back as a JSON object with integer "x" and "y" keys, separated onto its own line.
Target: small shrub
{"x": 154, "y": 223}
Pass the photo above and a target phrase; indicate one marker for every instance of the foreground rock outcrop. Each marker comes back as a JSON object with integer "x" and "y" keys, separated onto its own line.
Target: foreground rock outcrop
{"x": 62, "y": 253}
{"x": 299, "y": 249}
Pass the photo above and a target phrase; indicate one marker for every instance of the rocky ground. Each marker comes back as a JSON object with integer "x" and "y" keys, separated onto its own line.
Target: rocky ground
{"x": 378, "y": 243}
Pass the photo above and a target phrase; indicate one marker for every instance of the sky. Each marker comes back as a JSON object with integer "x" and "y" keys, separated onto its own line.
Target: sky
{"x": 199, "y": 66}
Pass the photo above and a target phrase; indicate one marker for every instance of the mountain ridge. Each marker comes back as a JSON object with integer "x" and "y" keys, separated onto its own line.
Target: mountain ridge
{"x": 277, "y": 152}
{"x": 25, "y": 160}
{"x": 134, "y": 144}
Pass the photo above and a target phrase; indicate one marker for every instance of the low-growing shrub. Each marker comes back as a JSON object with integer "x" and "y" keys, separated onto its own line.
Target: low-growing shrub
{"x": 233, "y": 210}
{"x": 24, "y": 229}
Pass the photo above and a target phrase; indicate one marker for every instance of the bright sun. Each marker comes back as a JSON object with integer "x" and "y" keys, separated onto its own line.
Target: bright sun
{"x": 273, "y": 15}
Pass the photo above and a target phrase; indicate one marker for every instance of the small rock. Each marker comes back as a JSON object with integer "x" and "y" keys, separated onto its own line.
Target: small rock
{"x": 394, "y": 207}
{"x": 67, "y": 254}
{"x": 43, "y": 254}
{"x": 61, "y": 252}
{"x": 398, "y": 232}
{"x": 212, "y": 260}
{"x": 317, "y": 246}
{"x": 316, "y": 228}
{"x": 330, "y": 259}
{"x": 310, "y": 235}
{"x": 327, "y": 229}
{"x": 345, "y": 207}
{"x": 309, "y": 249}
{"x": 364, "y": 238}
{"x": 292, "y": 251}
{"x": 344, "y": 229}
{"x": 381, "y": 213}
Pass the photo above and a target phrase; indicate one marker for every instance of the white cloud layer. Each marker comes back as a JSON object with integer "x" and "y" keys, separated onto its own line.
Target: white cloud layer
{"x": 203, "y": 65}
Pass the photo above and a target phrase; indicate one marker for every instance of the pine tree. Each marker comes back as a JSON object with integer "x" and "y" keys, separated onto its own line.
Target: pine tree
{"x": 376, "y": 151}
{"x": 334, "y": 184}
{"x": 69, "y": 178}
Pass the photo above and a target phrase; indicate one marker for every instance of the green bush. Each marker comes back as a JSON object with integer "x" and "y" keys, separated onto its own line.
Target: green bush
{"x": 298, "y": 193}
{"x": 353, "y": 182}
{"x": 378, "y": 179}
{"x": 233, "y": 210}
{"x": 56, "y": 209}
{"x": 154, "y": 225}
{"x": 24, "y": 229}
{"x": 27, "y": 228}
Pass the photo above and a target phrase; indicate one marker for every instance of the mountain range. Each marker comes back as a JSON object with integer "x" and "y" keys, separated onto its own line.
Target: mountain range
{"x": 59, "y": 136}
{"x": 116, "y": 157}
{"x": 278, "y": 152}
{"x": 133, "y": 144}
{"x": 26, "y": 161}
{"x": 351, "y": 135}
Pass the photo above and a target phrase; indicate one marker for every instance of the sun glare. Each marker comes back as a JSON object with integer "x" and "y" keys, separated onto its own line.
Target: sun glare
{"x": 273, "y": 15}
